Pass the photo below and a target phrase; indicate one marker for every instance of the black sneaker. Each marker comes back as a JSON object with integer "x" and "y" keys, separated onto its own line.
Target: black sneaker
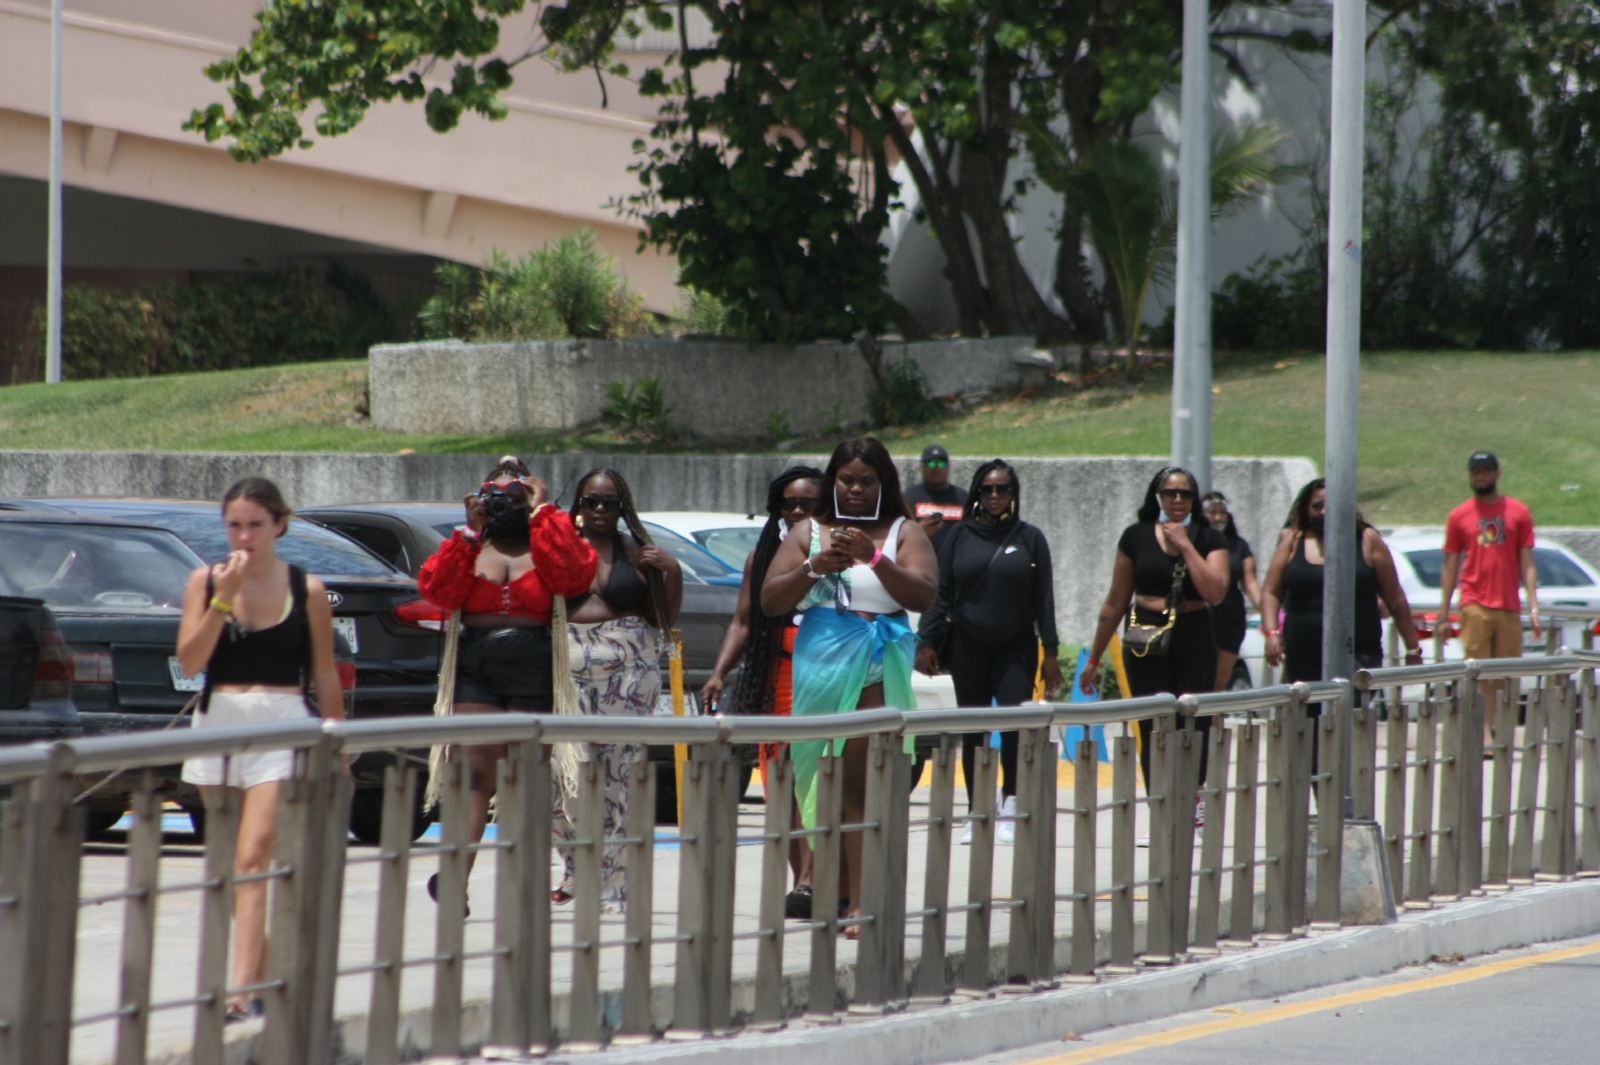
{"x": 433, "y": 892}
{"x": 797, "y": 904}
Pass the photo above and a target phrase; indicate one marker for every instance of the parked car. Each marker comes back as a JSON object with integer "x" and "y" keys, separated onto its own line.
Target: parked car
{"x": 35, "y": 693}
{"x": 730, "y": 537}
{"x": 406, "y": 534}
{"x": 128, "y": 675}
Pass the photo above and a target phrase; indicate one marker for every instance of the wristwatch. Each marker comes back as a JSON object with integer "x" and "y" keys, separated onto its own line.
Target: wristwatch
{"x": 805, "y": 567}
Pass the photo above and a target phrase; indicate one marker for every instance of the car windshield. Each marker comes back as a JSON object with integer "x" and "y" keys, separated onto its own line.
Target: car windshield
{"x": 1556, "y": 570}
{"x": 311, "y": 547}
{"x": 90, "y": 567}
{"x": 690, "y": 555}
{"x": 733, "y": 545}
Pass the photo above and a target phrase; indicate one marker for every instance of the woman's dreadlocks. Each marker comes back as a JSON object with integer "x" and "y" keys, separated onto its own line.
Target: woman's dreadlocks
{"x": 753, "y": 694}
{"x": 656, "y": 607}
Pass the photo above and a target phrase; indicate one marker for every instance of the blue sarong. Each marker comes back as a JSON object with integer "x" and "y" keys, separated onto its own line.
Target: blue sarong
{"x": 836, "y": 654}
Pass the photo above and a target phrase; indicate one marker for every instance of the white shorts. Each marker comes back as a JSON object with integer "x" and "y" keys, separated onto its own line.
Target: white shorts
{"x": 252, "y": 767}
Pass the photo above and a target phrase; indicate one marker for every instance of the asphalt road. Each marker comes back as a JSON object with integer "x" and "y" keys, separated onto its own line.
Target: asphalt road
{"x": 1528, "y": 1006}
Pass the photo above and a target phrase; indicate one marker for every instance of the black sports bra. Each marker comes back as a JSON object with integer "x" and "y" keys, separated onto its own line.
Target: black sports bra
{"x": 625, "y": 591}
{"x": 279, "y": 655}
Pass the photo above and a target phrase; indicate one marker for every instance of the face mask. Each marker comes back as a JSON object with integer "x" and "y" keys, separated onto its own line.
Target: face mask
{"x": 839, "y": 513}
{"x": 510, "y": 524}
{"x": 1187, "y": 518}
{"x": 1316, "y": 522}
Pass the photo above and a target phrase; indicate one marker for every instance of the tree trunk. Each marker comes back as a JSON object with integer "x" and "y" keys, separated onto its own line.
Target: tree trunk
{"x": 1088, "y": 320}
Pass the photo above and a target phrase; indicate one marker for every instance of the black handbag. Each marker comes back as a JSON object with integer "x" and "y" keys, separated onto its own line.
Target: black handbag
{"x": 1143, "y": 641}
{"x": 944, "y": 641}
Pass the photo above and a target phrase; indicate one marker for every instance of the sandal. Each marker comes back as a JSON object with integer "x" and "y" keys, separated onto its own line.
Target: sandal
{"x": 560, "y": 896}
{"x": 433, "y": 892}
{"x": 797, "y": 904}
{"x": 249, "y": 1009}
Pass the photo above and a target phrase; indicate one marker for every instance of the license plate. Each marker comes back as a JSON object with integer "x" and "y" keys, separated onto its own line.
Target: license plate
{"x": 182, "y": 683}
{"x": 346, "y": 627}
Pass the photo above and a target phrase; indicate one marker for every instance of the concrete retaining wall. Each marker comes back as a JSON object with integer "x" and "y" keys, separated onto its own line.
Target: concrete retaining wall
{"x": 717, "y": 390}
{"x": 1082, "y": 504}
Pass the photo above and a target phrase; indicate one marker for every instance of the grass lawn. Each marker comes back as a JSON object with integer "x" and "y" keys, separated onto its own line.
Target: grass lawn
{"x": 1421, "y": 416}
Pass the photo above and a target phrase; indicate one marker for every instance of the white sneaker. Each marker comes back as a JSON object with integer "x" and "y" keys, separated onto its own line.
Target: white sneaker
{"x": 1200, "y": 812}
{"x": 966, "y": 835}
{"x": 1144, "y": 841}
{"x": 1006, "y": 831}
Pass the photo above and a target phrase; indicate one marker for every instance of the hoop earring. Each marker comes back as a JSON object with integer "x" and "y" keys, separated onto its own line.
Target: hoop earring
{"x": 578, "y": 521}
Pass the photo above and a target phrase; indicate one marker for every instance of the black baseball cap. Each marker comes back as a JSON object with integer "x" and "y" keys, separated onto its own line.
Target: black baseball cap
{"x": 934, "y": 451}
{"x": 1484, "y": 459}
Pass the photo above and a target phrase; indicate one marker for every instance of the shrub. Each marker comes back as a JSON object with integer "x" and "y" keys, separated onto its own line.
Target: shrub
{"x": 638, "y": 405}
{"x": 705, "y": 314}
{"x": 566, "y": 290}
{"x": 904, "y": 400}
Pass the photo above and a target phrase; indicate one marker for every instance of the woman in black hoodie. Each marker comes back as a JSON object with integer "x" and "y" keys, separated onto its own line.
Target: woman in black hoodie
{"x": 996, "y": 606}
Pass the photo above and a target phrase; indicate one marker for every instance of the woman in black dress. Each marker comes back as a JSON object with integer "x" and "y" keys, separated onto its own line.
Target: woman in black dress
{"x": 1228, "y": 616}
{"x": 1294, "y": 579}
{"x": 1170, "y": 532}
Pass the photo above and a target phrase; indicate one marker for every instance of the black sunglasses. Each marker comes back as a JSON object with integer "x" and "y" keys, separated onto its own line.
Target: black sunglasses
{"x": 1176, "y": 493}
{"x": 804, "y": 504}
{"x": 594, "y": 502}
{"x": 996, "y": 490}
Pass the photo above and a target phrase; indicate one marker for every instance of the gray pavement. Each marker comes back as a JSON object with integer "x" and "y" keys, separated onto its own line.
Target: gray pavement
{"x": 1532, "y": 1005}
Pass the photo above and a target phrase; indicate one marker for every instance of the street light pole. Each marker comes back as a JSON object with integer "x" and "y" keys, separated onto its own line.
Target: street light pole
{"x": 1339, "y": 541}
{"x": 52, "y": 342}
{"x": 1191, "y": 356}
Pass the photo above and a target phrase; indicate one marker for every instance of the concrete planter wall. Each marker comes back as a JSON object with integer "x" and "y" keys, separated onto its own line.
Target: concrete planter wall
{"x": 717, "y": 390}
{"x": 1081, "y": 504}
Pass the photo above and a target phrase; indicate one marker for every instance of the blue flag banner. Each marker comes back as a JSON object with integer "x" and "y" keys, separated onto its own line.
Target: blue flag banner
{"x": 1072, "y": 735}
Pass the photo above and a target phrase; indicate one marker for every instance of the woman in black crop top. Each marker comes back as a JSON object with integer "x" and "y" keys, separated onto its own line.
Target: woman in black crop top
{"x": 262, "y": 632}
{"x": 615, "y": 630}
{"x": 1170, "y": 531}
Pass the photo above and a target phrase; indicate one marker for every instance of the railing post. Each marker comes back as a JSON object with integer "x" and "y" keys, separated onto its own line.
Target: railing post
{"x": 1471, "y": 776}
{"x": 1558, "y": 847}
{"x": 139, "y": 922}
{"x": 583, "y": 1020}
{"x": 1523, "y": 815}
{"x": 1396, "y": 747}
{"x": 1419, "y": 887}
{"x": 216, "y": 923}
{"x": 1588, "y": 800}
{"x": 394, "y": 872}
{"x": 1161, "y": 797}
{"x": 779, "y": 782}
{"x": 1187, "y": 787}
{"x": 1124, "y": 830}
{"x": 1333, "y": 725}
{"x": 1242, "y": 912}
{"x": 822, "y": 995}
{"x": 931, "y": 986}
{"x": 980, "y": 874}
{"x": 334, "y": 790}
{"x": 1503, "y": 727}
{"x": 54, "y": 849}
{"x": 1085, "y": 816}
{"x": 1363, "y": 761}
{"x": 691, "y": 1017}
{"x": 1280, "y": 828}
{"x": 1031, "y": 953}
{"x": 1452, "y": 768}
{"x": 14, "y": 909}
{"x": 1208, "y": 907}
{"x": 875, "y": 985}
{"x": 637, "y": 1021}
{"x": 1303, "y": 730}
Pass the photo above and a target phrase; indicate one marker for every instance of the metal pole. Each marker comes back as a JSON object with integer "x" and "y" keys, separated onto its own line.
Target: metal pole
{"x": 1191, "y": 361}
{"x": 52, "y": 349}
{"x": 1344, "y": 337}
{"x": 1192, "y": 327}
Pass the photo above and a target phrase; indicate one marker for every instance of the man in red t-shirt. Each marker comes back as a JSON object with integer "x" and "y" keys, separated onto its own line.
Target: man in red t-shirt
{"x": 1488, "y": 542}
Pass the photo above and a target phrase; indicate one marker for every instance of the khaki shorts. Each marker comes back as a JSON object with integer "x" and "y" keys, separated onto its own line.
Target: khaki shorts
{"x": 1487, "y": 633}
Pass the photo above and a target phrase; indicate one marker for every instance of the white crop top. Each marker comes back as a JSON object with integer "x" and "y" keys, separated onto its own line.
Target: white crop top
{"x": 867, "y": 593}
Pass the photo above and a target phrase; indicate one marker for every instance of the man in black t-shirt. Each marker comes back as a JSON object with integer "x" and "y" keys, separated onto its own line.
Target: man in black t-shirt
{"x": 937, "y": 504}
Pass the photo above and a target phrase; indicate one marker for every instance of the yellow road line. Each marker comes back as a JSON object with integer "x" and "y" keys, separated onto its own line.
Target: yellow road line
{"x": 1321, "y": 1005}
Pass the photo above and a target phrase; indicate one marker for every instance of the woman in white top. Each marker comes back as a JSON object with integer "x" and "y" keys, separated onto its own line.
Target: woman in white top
{"x": 853, "y": 570}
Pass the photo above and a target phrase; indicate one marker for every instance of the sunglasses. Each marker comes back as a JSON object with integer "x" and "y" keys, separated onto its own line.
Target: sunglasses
{"x": 996, "y": 490}
{"x": 937, "y": 464}
{"x": 496, "y": 486}
{"x": 1176, "y": 493}
{"x": 804, "y": 504}
{"x": 594, "y": 502}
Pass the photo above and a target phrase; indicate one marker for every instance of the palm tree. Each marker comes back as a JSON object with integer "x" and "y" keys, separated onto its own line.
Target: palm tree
{"x": 1131, "y": 209}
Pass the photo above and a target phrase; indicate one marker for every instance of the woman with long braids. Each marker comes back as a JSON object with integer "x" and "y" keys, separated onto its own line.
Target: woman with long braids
{"x": 853, "y": 570}
{"x": 506, "y": 574}
{"x": 766, "y": 644}
{"x": 1228, "y": 617}
{"x": 614, "y": 631}
{"x": 1171, "y": 546}
{"x": 997, "y": 594}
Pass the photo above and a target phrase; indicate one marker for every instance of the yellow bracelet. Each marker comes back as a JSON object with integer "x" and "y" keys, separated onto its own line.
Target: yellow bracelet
{"x": 220, "y": 606}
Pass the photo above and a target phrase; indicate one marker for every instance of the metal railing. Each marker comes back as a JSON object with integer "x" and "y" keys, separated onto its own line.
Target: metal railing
{"x": 1076, "y": 908}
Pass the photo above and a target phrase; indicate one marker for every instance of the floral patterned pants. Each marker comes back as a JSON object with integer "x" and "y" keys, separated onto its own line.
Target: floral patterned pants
{"x": 616, "y": 667}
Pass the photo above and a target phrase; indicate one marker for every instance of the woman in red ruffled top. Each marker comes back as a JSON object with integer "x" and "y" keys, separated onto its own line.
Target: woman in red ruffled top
{"x": 518, "y": 551}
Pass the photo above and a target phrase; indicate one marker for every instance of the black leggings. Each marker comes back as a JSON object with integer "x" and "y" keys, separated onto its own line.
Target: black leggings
{"x": 1188, "y": 668}
{"x": 993, "y": 672}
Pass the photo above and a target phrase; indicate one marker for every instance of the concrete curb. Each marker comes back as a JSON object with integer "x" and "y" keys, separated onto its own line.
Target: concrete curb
{"x": 953, "y": 1033}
